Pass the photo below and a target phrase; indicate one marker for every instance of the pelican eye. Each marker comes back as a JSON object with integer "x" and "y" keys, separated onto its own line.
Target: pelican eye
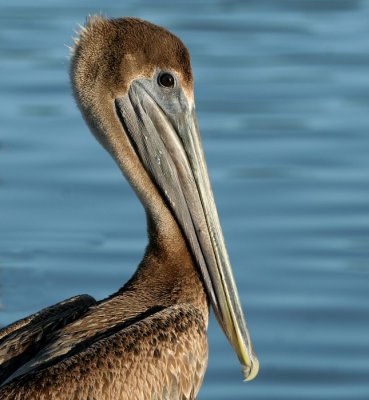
{"x": 165, "y": 79}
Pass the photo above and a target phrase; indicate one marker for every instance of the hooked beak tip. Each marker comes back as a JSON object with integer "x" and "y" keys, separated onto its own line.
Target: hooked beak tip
{"x": 250, "y": 372}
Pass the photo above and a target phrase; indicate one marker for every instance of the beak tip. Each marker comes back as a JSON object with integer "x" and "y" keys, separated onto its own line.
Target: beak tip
{"x": 250, "y": 372}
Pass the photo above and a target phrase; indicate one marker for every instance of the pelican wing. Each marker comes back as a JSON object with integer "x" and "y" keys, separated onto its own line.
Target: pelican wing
{"x": 162, "y": 356}
{"x": 20, "y": 341}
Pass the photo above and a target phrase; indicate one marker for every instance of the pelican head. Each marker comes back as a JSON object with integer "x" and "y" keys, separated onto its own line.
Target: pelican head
{"x": 133, "y": 83}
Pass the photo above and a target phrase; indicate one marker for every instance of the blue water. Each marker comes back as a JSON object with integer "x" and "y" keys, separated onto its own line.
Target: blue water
{"x": 282, "y": 93}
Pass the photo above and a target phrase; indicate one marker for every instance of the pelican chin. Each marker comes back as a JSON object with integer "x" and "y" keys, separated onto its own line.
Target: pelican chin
{"x": 133, "y": 83}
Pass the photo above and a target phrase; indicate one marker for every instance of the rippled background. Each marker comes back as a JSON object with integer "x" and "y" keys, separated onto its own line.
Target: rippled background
{"x": 282, "y": 91}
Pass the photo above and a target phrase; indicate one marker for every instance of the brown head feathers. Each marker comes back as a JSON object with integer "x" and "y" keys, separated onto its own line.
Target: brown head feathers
{"x": 110, "y": 53}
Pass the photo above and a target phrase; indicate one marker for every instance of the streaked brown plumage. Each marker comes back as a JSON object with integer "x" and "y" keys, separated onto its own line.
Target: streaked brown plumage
{"x": 148, "y": 340}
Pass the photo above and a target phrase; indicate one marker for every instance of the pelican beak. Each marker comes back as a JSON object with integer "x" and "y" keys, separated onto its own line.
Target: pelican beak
{"x": 162, "y": 127}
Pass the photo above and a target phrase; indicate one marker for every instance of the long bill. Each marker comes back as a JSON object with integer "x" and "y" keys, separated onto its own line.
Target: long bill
{"x": 166, "y": 138}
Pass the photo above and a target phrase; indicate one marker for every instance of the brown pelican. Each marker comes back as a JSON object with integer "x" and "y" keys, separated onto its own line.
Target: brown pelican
{"x": 133, "y": 83}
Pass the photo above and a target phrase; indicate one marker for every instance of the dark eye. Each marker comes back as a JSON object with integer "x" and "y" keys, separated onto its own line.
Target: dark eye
{"x": 166, "y": 79}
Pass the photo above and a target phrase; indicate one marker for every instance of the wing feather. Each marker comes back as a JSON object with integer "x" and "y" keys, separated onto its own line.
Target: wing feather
{"x": 163, "y": 356}
{"x": 20, "y": 341}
